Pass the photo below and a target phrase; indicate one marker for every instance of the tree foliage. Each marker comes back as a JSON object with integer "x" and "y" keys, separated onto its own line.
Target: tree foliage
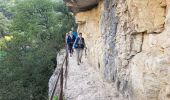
{"x": 4, "y": 23}
{"x": 37, "y": 28}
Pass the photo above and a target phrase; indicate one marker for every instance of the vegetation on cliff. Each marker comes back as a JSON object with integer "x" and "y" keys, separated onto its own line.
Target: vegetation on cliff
{"x": 36, "y": 29}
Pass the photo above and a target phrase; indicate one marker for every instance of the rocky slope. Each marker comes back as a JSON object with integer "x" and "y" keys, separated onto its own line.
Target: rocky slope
{"x": 129, "y": 44}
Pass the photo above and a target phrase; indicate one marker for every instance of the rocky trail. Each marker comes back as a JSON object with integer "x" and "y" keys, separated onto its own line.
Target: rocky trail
{"x": 85, "y": 83}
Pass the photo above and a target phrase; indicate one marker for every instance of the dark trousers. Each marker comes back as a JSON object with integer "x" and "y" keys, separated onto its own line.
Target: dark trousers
{"x": 70, "y": 48}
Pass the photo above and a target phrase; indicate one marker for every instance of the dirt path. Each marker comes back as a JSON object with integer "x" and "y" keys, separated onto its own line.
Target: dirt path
{"x": 85, "y": 83}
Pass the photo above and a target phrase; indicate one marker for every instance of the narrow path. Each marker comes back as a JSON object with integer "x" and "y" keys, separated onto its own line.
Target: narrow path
{"x": 85, "y": 83}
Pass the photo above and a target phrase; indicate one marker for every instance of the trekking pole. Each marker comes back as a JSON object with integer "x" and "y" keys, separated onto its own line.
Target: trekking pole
{"x": 85, "y": 52}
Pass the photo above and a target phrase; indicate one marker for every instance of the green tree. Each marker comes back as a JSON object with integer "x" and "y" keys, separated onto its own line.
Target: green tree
{"x": 4, "y": 23}
{"x": 38, "y": 28}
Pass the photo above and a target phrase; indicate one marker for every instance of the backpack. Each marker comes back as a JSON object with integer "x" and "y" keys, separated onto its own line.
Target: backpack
{"x": 75, "y": 34}
{"x": 81, "y": 45}
{"x": 76, "y": 45}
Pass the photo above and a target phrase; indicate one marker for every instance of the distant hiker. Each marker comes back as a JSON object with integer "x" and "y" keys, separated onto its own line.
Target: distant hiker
{"x": 79, "y": 45}
{"x": 70, "y": 41}
{"x": 75, "y": 34}
{"x": 66, "y": 37}
{"x": 66, "y": 45}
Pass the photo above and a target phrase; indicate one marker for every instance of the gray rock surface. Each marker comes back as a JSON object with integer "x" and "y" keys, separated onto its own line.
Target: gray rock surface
{"x": 85, "y": 83}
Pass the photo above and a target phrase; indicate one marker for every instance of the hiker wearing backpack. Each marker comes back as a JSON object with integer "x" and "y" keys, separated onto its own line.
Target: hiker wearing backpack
{"x": 70, "y": 41}
{"x": 74, "y": 32}
{"x": 79, "y": 46}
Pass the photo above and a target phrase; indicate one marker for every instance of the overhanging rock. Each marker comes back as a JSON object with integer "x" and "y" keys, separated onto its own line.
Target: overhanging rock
{"x": 81, "y": 5}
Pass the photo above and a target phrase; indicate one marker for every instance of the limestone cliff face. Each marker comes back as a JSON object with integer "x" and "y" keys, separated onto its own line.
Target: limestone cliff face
{"x": 128, "y": 41}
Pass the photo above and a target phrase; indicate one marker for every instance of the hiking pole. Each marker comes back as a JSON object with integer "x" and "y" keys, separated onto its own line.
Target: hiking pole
{"x": 86, "y": 52}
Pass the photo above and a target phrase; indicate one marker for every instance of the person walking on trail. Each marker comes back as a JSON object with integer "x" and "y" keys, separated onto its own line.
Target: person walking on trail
{"x": 66, "y": 38}
{"x": 70, "y": 41}
{"x": 79, "y": 46}
{"x": 75, "y": 34}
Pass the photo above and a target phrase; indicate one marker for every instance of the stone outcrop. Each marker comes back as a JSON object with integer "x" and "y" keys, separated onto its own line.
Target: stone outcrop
{"x": 81, "y": 5}
{"x": 128, "y": 41}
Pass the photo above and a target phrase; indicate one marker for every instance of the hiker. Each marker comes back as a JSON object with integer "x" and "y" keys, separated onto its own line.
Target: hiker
{"x": 79, "y": 45}
{"x": 75, "y": 34}
{"x": 72, "y": 35}
{"x": 66, "y": 45}
{"x": 70, "y": 41}
{"x": 66, "y": 37}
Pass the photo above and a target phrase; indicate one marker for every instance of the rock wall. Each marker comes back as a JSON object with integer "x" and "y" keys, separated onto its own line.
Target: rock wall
{"x": 99, "y": 29}
{"x": 128, "y": 41}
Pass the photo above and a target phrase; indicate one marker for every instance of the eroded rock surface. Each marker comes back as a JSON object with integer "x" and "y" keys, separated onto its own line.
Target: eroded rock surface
{"x": 85, "y": 83}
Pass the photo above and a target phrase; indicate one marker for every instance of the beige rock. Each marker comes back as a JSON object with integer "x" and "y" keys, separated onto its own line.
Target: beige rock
{"x": 92, "y": 34}
{"x": 145, "y": 16}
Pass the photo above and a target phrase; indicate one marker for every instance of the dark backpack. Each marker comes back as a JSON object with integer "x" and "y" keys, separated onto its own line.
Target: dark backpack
{"x": 81, "y": 45}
